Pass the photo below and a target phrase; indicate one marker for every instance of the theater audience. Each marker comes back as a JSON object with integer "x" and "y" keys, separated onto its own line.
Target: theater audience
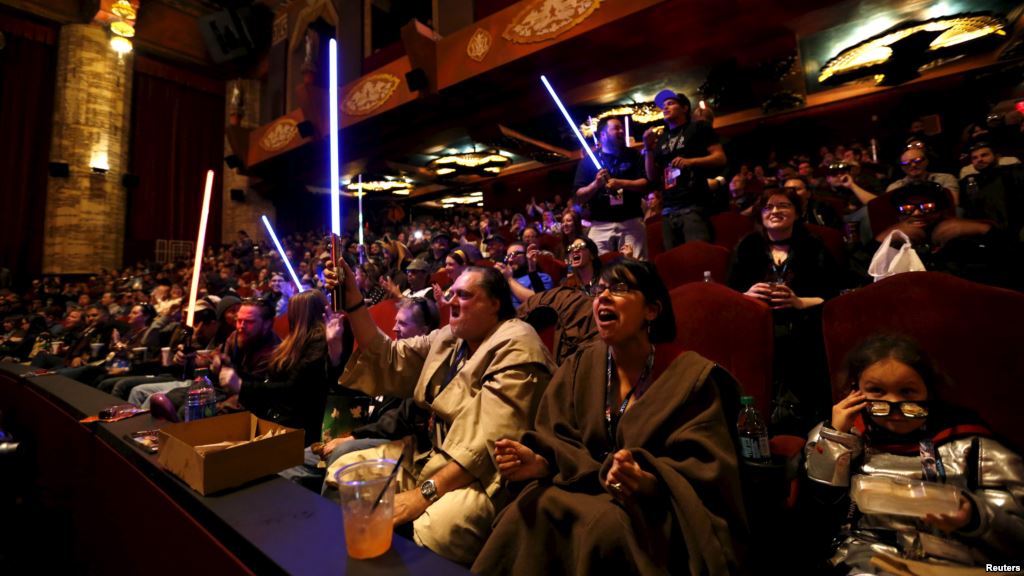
{"x": 893, "y": 423}
{"x": 609, "y": 494}
{"x": 520, "y": 270}
{"x": 493, "y": 371}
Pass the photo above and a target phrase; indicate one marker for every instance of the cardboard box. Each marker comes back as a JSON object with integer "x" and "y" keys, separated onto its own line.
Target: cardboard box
{"x": 231, "y": 467}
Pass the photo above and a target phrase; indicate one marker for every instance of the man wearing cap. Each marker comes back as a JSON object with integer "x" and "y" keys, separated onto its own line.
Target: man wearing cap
{"x": 418, "y": 275}
{"x": 440, "y": 245}
{"x": 680, "y": 160}
{"x": 614, "y": 193}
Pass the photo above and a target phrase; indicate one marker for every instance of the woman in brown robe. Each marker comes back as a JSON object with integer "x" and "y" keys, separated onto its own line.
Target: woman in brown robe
{"x": 632, "y": 468}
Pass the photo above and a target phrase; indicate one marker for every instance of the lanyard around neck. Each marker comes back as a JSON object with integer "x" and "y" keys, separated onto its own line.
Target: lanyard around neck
{"x": 612, "y": 419}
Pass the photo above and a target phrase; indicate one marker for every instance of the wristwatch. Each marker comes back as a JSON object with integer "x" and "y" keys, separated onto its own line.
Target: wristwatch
{"x": 429, "y": 491}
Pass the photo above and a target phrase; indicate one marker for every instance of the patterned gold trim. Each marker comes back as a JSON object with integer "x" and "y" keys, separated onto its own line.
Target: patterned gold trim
{"x": 544, "y": 19}
{"x": 479, "y": 45}
{"x": 369, "y": 94}
{"x": 279, "y": 135}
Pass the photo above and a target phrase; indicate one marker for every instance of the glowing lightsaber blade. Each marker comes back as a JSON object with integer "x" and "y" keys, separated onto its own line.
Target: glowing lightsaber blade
{"x": 628, "y": 142}
{"x": 335, "y": 169}
{"x": 336, "y": 294}
{"x": 284, "y": 257}
{"x": 197, "y": 265}
{"x": 360, "y": 193}
{"x": 572, "y": 124}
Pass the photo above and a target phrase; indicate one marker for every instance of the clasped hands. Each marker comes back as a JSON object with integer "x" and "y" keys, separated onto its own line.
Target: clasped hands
{"x": 777, "y": 296}
{"x": 625, "y": 478}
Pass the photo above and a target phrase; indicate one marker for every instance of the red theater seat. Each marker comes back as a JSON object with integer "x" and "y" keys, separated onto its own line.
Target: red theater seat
{"x": 383, "y": 314}
{"x": 972, "y": 331}
{"x": 729, "y": 228}
{"x": 687, "y": 263}
{"x": 833, "y": 241}
{"x": 441, "y": 278}
{"x": 553, "y": 267}
{"x": 655, "y": 239}
{"x": 730, "y": 329}
{"x": 281, "y": 326}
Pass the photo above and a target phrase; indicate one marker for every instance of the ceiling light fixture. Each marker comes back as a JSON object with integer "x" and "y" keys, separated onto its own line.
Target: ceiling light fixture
{"x": 397, "y": 186}
{"x": 121, "y": 45}
{"x": 644, "y": 113}
{"x": 122, "y": 28}
{"x": 901, "y": 52}
{"x": 482, "y": 163}
{"x": 123, "y": 9}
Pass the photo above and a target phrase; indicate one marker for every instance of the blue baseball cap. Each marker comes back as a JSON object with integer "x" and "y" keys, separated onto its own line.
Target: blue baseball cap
{"x": 667, "y": 94}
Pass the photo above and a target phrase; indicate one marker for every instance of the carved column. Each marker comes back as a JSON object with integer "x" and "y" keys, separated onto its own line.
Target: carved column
{"x": 85, "y": 211}
{"x": 243, "y": 211}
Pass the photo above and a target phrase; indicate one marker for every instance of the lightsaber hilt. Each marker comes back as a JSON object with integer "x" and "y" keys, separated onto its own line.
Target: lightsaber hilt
{"x": 338, "y": 292}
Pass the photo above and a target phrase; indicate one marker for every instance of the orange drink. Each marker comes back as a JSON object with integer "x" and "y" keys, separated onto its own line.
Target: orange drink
{"x": 367, "y": 530}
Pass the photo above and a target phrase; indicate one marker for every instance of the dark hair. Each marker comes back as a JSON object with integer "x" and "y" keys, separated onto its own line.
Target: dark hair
{"x": 595, "y": 256}
{"x": 644, "y": 277}
{"x": 898, "y": 347}
{"x": 267, "y": 310}
{"x": 459, "y": 256}
{"x": 791, "y": 196}
{"x": 148, "y": 311}
{"x": 494, "y": 283}
{"x": 603, "y": 123}
{"x": 807, "y": 185}
{"x": 424, "y": 309}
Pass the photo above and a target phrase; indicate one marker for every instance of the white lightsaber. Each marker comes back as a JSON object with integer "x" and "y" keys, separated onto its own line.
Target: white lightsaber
{"x": 360, "y": 209}
{"x": 197, "y": 265}
{"x": 572, "y": 124}
{"x": 284, "y": 257}
{"x": 628, "y": 142}
{"x": 335, "y": 189}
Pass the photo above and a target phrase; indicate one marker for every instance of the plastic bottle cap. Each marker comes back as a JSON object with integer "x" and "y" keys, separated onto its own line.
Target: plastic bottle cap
{"x": 746, "y": 400}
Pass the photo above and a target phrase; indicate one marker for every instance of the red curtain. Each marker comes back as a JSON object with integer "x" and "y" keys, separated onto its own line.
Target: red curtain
{"x": 177, "y": 135}
{"x": 28, "y": 65}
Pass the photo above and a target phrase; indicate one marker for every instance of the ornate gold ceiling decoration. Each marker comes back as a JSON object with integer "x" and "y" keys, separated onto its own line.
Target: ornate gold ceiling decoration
{"x": 479, "y": 45}
{"x": 897, "y": 54}
{"x": 369, "y": 94}
{"x": 279, "y": 135}
{"x": 544, "y": 19}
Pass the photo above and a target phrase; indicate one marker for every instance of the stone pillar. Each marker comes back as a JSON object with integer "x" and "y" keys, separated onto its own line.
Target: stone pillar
{"x": 244, "y": 213}
{"x": 85, "y": 212}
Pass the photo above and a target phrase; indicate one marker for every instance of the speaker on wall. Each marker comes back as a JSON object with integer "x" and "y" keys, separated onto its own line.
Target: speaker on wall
{"x": 237, "y": 195}
{"x": 417, "y": 80}
{"x": 60, "y": 169}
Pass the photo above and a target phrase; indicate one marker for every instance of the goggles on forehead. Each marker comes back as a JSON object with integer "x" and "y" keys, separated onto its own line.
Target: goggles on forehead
{"x": 909, "y": 409}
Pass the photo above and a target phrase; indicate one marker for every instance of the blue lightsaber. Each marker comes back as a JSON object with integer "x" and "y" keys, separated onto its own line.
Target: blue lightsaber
{"x": 284, "y": 256}
{"x": 333, "y": 115}
{"x": 572, "y": 124}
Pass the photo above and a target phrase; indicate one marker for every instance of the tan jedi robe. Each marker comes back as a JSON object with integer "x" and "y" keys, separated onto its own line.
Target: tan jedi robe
{"x": 494, "y": 395}
{"x": 568, "y": 524}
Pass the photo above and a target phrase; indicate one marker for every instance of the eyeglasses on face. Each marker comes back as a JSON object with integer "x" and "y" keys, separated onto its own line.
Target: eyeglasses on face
{"x": 914, "y": 161}
{"x": 909, "y": 409}
{"x": 616, "y": 289}
{"x": 794, "y": 189}
{"x": 512, "y": 255}
{"x": 781, "y": 206}
{"x": 924, "y": 207}
{"x": 577, "y": 248}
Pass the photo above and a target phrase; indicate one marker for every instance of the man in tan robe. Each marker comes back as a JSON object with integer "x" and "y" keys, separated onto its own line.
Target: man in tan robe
{"x": 482, "y": 377}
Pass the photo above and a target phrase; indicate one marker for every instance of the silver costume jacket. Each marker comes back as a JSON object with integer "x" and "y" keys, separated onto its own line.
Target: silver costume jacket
{"x": 990, "y": 475}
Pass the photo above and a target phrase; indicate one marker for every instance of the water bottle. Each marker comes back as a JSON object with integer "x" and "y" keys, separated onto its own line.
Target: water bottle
{"x": 707, "y": 277}
{"x": 753, "y": 433}
{"x": 201, "y": 401}
{"x": 972, "y": 187}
